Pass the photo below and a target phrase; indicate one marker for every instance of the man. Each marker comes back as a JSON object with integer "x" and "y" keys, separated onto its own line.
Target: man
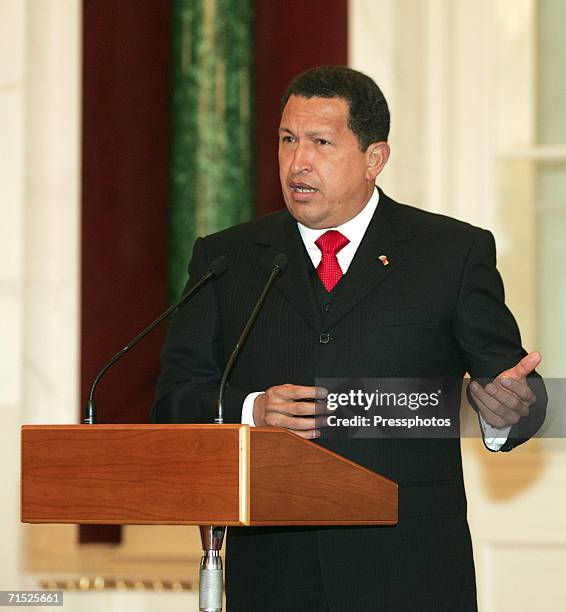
{"x": 373, "y": 289}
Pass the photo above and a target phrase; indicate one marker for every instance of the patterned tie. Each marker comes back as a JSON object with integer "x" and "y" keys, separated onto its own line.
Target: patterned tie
{"x": 329, "y": 271}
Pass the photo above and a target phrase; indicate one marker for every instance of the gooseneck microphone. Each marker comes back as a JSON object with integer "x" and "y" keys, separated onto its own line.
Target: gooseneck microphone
{"x": 216, "y": 268}
{"x": 278, "y": 266}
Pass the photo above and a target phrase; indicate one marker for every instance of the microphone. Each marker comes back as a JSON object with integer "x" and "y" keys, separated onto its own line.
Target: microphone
{"x": 216, "y": 268}
{"x": 278, "y": 266}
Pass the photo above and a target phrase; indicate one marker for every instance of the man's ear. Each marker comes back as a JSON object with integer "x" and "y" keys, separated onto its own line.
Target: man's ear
{"x": 377, "y": 155}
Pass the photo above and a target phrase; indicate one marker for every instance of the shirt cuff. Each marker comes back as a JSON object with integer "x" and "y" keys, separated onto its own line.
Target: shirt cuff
{"x": 493, "y": 437}
{"x": 248, "y": 409}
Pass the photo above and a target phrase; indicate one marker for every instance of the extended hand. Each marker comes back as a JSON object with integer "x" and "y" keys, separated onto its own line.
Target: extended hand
{"x": 508, "y": 398}
{"x": 285, "y": 406}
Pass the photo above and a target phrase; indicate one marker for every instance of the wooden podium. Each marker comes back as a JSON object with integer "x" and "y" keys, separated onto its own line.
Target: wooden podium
{"x": 206, "y": 475}
{"x": 194, "y": 475}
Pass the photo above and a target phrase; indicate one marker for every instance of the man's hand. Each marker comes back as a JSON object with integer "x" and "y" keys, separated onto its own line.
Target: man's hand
{"x": 288, "y": 406}
{"x": 508, "y": 398}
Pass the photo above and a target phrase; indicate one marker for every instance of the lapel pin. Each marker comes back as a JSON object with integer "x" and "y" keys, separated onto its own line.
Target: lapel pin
{"x": 383, "y": 259}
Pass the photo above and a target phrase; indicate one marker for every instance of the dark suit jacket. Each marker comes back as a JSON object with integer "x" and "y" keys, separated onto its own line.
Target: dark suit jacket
{"x": 436, "y": 310}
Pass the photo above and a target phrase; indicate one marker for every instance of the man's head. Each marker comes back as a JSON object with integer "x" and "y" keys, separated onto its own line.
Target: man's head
{"x": 332, "y": 144}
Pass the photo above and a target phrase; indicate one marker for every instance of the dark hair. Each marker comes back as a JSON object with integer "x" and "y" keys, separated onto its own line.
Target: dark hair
{"x": 369, "y": 114}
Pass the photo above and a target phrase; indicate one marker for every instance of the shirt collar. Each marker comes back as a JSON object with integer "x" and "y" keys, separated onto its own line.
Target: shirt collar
{"x": 354, "y": 229}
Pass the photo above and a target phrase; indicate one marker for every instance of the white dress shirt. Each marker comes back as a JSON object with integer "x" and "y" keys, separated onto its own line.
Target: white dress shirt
{"x": 354, "y": 230}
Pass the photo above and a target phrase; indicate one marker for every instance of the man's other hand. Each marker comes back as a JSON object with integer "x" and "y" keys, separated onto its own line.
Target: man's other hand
{"x": 292, "y": 407}
{"x": 508, "y": 398}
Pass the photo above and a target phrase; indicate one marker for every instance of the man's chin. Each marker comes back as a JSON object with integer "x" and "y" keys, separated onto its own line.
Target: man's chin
{"x": 311, "y": 222}
{"x": 308, "y": 214}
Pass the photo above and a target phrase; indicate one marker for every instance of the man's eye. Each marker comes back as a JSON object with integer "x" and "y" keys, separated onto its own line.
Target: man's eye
{"x": 321, "y": 141}
{"x": 288, "y": 139}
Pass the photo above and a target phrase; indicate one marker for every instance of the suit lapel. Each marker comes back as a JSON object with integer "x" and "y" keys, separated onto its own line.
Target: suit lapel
{"x": 282, "y": 236}
{"x": 367, "y": 270}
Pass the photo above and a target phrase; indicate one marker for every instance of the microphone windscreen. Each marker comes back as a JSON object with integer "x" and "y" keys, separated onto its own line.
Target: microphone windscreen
{"x": 280, "y": 261}
{"x": 219, "y": 265}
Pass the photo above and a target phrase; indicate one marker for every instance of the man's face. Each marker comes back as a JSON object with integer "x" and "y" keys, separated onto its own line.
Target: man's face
{"x": 326, "y": 179}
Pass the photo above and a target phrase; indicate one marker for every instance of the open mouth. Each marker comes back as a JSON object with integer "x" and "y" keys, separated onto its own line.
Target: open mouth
{"x": 302, "y": 188}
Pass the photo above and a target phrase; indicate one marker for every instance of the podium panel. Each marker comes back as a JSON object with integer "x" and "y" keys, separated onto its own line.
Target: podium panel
{"x": 194, "y": 475}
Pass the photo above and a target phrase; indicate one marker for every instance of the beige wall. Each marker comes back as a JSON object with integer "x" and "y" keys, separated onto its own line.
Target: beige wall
{"x": 39, "y": 119}
{"x": 12, "y": 73}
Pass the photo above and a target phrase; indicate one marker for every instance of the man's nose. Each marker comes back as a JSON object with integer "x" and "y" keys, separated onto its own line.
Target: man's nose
{"x": 301, "y": 159}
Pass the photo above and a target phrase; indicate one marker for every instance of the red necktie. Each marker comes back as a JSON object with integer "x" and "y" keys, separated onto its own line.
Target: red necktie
{"x": 329, "y": 271}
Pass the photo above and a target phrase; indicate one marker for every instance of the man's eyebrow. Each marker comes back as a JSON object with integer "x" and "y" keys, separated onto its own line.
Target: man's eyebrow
{"x": 322, "y": 132}
{"x": 310, "y": 134}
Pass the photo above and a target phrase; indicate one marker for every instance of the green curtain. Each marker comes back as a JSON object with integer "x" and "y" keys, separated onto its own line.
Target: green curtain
{"x": 212, "y": 159}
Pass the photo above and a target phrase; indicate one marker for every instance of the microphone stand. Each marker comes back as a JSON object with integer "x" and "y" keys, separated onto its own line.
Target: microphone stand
{"x": 211, "y": 565}
{"x": 211, "y": 581}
